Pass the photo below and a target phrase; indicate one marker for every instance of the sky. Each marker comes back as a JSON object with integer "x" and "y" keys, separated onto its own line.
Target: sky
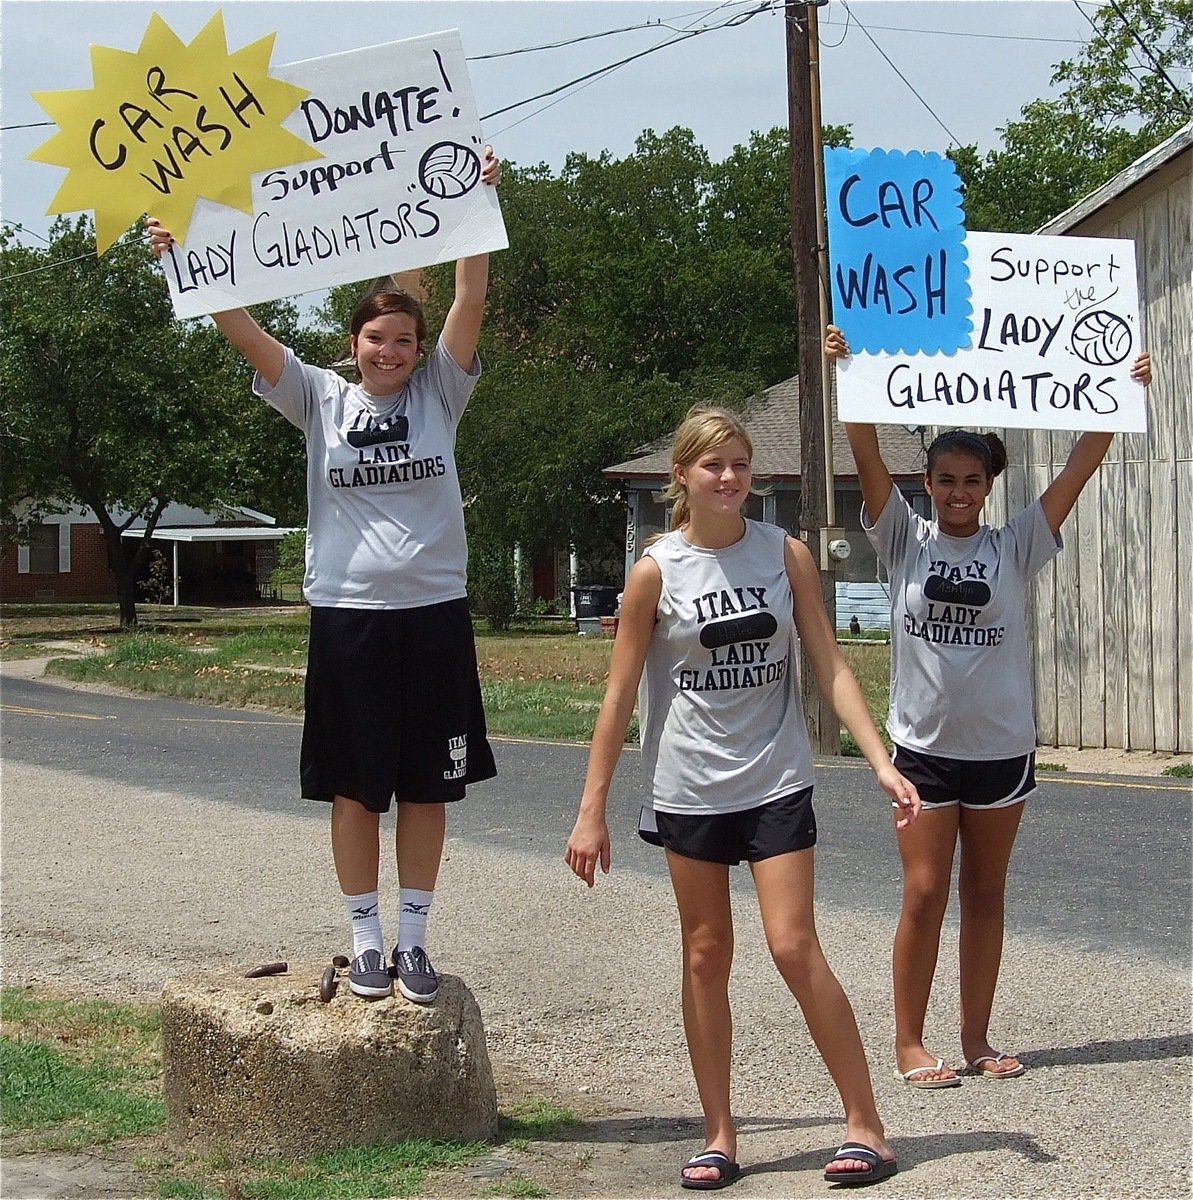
{"x": 974, "y": 64}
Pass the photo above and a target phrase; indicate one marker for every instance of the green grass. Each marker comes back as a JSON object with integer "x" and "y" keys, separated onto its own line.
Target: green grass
{"x": 78, "y": 1073}
{"x": 13, "y": 651}
{"x": 515, "y": 1186}
{"x": 352, "y": 1174}
{"x": 1041, "y": 766}
{"x": 528, "y": 1121}
{"x": 1180, "y": 771}
{"x": 545, "y": 684}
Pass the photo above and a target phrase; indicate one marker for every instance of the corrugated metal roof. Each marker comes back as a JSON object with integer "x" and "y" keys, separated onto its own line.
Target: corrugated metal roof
{"x": 772, "y": 419}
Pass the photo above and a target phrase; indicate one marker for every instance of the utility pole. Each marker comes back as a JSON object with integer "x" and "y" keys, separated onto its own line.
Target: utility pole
{"x": 817, "y": 503}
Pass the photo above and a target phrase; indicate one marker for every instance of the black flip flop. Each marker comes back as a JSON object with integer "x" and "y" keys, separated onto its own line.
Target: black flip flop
{"x": 716, "y": 1159}
{"x": 879, "y": 1168}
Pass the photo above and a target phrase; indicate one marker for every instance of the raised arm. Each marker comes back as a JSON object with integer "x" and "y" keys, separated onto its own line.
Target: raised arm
{"x": 838, "y": 683}
{"x": 462, "y": 328}
{"x": 263, "y": 352}
{"x": 875, "y": 479}
{"x": 1084, "y": 459}
{"x": 589, "y": 842}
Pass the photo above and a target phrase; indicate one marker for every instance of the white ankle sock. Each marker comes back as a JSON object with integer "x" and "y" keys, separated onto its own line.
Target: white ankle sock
{"x": 364, "y": 912}
{"x": 414, "y": 907}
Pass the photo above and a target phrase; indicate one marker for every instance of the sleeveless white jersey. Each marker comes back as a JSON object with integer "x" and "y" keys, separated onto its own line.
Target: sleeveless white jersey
{"x": 719, "y": 708}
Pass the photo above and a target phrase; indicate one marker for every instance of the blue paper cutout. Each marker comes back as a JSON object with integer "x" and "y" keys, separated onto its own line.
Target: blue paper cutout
{"x": 898, "y": 268}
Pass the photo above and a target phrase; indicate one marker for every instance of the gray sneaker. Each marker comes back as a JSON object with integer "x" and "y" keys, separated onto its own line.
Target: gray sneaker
{"x": 417, "y": 980}
{"x": 367, "y": 976}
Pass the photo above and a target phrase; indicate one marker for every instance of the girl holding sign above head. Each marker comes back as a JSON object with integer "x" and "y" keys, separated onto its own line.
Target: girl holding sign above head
{"x": 393, "y": 701}
{"x": 961, "y": 709}
{"x": 710, "y": 622}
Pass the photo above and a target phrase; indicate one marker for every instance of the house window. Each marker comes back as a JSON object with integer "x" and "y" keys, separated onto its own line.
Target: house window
{"x": 43, "y": 550}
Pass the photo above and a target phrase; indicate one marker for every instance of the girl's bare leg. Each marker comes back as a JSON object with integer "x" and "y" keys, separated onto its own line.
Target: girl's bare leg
{"x": 355, "y": 846}
{"x": 706, "y": 924}
{"x": 926, "y": 847}
{"x": 421, "y": 829}
{"x": 987, "y": 838}
{"x": 785, "y": 885}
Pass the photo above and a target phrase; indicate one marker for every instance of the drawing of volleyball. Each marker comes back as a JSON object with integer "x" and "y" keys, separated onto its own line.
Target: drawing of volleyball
{"x": 448, "y": 170}
{"x": 1101, "y": 338}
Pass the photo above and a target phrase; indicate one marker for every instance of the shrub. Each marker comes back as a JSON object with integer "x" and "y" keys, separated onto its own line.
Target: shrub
{"x": 292, "y": 559}
{"x": 491, "y": 586}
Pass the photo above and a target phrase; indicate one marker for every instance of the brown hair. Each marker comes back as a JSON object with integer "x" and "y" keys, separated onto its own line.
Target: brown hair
{"x": 703, "y": 429}
{"x": 987, "y": 447}
{"x": 383, "y": 299}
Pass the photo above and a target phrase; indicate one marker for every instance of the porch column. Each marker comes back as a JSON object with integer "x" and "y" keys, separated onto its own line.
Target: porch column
{"x": 176, "y": 587}
{"x": 631, "y": 531}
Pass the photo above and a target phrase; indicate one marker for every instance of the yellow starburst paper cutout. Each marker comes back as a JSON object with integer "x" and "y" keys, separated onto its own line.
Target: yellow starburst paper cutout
{"x": 168, "y": 124}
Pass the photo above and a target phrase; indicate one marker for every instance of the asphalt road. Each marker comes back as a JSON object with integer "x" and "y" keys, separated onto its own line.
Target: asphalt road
{"x": 1102, "y": 863}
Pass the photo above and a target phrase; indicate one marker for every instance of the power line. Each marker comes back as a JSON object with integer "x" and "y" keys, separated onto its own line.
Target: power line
{"x": 1106, "y": 41}
{"x": 683, "y": 34}
{"x": 1147, "y": 50}
{"x": 732, "y": 22}
{"x": 952, "y": 136}
{"x": 657, "y": 23}
{"x": 1000, "y": 37}
{"x": 136, "y": 239}
{"x": 597, "y": 75}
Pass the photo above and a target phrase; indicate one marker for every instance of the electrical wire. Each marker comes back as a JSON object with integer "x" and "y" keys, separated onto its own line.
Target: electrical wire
{"x": 683, "y": 36}
{"x": 952, "y": 136}
{"x": 135, "y": 240}
{"x": 1000, "y": 37}
{"x": 767, "y": 5}
{"x": 844, "y": 34}
{"x": 1147, "y": 50}
{"x": 656, "y": 23}
{"x": 1107, "y": 42}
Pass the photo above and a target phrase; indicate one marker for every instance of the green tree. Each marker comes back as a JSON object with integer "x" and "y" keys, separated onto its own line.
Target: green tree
{"x": 1116, "y": 104}
{"x": 109, "y": 403}
{"x": 631, "y": 289}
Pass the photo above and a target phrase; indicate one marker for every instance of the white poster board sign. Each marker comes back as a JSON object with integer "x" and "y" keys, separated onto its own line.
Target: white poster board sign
{"x": 398, "y": 186}
{"x": 1055, "y": 331}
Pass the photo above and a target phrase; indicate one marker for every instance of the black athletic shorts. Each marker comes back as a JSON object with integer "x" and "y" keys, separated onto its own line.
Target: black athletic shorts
{"x": 972, "y": 783}
{"x": 393, "y": 706}
{"x": 771, "y": 829}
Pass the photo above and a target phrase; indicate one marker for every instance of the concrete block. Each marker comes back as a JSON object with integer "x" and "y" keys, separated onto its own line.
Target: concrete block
{"x": 263, "y": 1066}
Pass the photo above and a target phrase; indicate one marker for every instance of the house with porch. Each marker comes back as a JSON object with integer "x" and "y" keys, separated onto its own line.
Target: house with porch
{"x": 220, "y": 557}
{"x": 772, "y": 419}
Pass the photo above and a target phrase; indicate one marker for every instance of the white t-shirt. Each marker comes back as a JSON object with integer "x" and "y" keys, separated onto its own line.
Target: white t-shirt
{"x": 960, "y": 673}
{"x": 385, "y": 524}
{"x": 722, "y": 725}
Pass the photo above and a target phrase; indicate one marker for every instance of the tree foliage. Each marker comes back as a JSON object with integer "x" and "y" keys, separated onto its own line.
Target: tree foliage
{"x": 109, "y": 403}
{"x": 1116, "y": 104}
{"x": 632, "y": 289}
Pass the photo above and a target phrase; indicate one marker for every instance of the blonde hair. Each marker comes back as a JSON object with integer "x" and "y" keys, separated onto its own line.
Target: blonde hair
{"x": 703, "y": 429}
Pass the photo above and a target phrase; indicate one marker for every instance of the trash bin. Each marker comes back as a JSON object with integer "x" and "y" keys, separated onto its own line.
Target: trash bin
{"x": 597, "y": 600}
